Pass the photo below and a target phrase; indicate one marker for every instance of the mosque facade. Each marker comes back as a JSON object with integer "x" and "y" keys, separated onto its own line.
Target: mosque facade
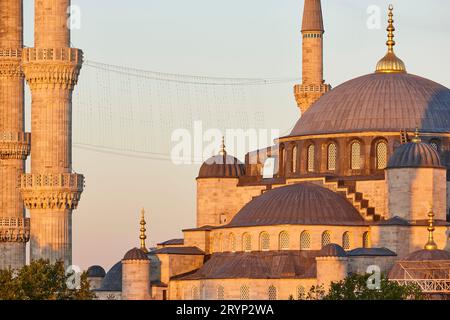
{"x": 361, "y": 180}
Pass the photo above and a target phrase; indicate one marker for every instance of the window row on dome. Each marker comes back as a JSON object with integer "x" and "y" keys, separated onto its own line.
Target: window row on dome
{"x": 291, "y": 161}
{"x": 221, "y": 243}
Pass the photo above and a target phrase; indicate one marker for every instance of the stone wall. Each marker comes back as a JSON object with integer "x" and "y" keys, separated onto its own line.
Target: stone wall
{"x": 360, "y": 264}
{"x": 375, "y": 192}
{"x": 258, "y": 289}
{"x": 413, "y": 191}
{"x": 175, "y": 264}
{"x": 219, "y": 199}
{"x": 135, "y": 279}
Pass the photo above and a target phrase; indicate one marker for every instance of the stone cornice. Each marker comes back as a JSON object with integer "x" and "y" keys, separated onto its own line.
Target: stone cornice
{"x": 14, "y": 229}
{"x": 14, "y": 145}
{"x": 52, "y": 68}
{"x": 10, "y": 63}
{"x": 51, "y": 191}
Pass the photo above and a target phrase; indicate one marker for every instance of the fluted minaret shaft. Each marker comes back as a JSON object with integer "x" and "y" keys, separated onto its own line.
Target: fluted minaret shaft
{"x": 14, "y": 143}
{"x": 313, "y": 85}
{"x": 51, "y": 191}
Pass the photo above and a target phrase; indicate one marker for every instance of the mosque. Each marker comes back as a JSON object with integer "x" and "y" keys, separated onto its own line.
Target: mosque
{"x": 361, "y": 180}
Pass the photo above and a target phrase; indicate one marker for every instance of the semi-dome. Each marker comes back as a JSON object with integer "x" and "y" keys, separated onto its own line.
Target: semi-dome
{"x": 332, "y": 250}
{"x": 303, "y": 204}
{"x": 415, "y": 154}
{"x": 96, "y": 272}
{"x": 113, "y": 279}
{"x": 135, "y": 254}
{"x": 222, "y": 166}
{"x": 379, "y": 102}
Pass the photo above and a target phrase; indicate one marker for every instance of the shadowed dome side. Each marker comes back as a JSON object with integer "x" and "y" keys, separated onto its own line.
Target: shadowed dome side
{"x": 415, "y": 155}
{"x": 302, "y": 203}
{"x": 96, "y": 272}
{"x": 428, "y": 255}
{"x": 332, "y": 250}
{"x": 113, "y": 279}
{"x": 222, "y": 166}
{"x": 135, "y": 254}
{"x": 380, "y": 102}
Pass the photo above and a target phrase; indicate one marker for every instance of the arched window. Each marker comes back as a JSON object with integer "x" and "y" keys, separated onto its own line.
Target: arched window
{"x": 346, "y": 240}
{"x": 435, "y": 144}
{"x": 355, "y": 155}
{"x": 195, "y": 293}
{"x": 232, "y": 243}
{"x": 283, "y": 241}
{"x": 305, "y": 240}
{"x": 221, "y": 244}
{"x": 331, "y": 160}
{"x": 264, "y": 241}
{"x": 246, "y": 242}
{"x": 310, "y": 158}
{"x": 294, "y": 159}
{"x": 272, "y": 293}
{"x": 301, "y": 293}
{"x": 326, "y": 238}
{"x": 245, "y": 293}
{"x": 366, "y": 239}
{"x": 283, "y": 159}
{"x": 381, "y": 155}
{"x": 220, "y": 293}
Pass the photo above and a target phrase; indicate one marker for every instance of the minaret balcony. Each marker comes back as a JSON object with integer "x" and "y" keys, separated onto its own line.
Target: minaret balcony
{"x": 14, "y": 145}
{"x": 14, "y": 229}
{"x": 51, "y": 191}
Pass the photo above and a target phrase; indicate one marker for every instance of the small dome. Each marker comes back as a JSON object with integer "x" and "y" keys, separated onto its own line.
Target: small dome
{"x": 222, "y": 166}
{"x": 96, "y": 272}
{"x": 135, "y": 254}
{"x": 302, "y": 204}
{"x": 332, "y": 250}
{"x": 420, "y": 264}
{"x": 415, "y": 154}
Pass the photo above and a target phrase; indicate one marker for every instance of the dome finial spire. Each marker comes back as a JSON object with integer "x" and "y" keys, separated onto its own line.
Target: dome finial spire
{"x": 223, "y": 151}
{"x": 143, "y": 236}
{"x": 416, "y": 138}
{"x": 431, "y": 245}
{"x": 390, "y": 62}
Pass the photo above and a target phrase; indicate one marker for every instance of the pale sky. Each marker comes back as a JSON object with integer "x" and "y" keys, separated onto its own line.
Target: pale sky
{"x": 233, "y": 38}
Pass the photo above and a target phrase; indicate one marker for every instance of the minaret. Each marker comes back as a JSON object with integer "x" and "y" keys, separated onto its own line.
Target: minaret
{"x": 51, "y": 191}
{"x": 14, "y": 142}
{"x": 313, "y": 85}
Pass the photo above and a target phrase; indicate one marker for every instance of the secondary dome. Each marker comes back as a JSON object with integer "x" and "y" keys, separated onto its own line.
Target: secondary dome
{"x": 386, "y": 102}
{"x": 302, "y": 203}
{"x": 135, "y": 254}
{"x": 332, "y": 250}
{"x": 415, "y": 154}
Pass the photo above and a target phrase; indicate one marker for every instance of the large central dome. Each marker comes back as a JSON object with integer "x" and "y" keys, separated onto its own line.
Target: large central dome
{"x": 380, "y": 102}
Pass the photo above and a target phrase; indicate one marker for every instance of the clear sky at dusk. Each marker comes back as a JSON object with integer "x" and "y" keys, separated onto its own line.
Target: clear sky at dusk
{"x": 232, "y": 38}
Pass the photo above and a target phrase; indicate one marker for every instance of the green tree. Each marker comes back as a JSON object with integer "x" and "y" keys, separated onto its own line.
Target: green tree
{"x": 42, "y": 281}
{"x": 355, "y": 287}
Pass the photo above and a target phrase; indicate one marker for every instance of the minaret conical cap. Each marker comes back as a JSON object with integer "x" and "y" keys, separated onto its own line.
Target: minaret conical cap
{"x": 312, "y": 16}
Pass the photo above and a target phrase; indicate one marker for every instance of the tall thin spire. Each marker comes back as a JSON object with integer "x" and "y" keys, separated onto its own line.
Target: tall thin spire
{"x": 143, "y": 236}
{"x": 431, "y": 245}
{"x": 390, "y": 62}
{"x": 223, "y": 150}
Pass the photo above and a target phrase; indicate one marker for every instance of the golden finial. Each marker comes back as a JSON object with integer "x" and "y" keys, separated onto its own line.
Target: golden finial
{"x": 222, "y": 151}
{"x": 416, "y": 138}
{"x": 390, "y": 62}
{"x": 142, "y": 236}
{"x": 431, "y": 245}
